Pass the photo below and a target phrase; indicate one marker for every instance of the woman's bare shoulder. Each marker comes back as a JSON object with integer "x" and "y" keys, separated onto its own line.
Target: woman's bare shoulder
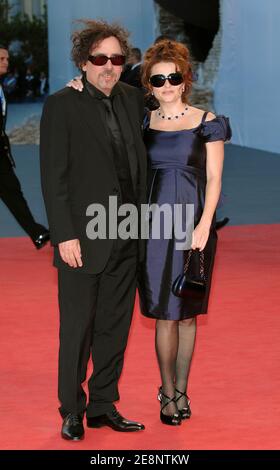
{"x": 198, "y": 112}
{"x": 210, "y": 116}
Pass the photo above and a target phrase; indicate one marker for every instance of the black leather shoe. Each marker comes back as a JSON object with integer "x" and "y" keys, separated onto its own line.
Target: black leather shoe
{"x": 42, "y": 240}
{"x": 114, "y": 420}
{"x": 72, "y": 428}
{"x": 221, "y": 223}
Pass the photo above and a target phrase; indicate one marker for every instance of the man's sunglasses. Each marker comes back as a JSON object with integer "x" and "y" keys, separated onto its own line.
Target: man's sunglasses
{"x": 103, "y": 59}
{"x": 174, "y": 79}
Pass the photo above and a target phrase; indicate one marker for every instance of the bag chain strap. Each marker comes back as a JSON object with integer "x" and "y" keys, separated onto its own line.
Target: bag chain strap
{"x": 201, "y": 263}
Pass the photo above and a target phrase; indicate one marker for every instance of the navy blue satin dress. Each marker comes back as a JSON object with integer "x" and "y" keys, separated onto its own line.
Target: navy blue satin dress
{"x": 177, "y": 174}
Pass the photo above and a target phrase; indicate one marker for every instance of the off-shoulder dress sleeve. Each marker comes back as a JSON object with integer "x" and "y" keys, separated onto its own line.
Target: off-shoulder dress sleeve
{"x": 215, "y": 129}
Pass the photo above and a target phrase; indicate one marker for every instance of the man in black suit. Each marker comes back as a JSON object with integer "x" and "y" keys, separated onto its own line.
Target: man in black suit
{"x": 10, "y": 189}
{"x": 132, "y": 70}
{"x": 91, "y": 149}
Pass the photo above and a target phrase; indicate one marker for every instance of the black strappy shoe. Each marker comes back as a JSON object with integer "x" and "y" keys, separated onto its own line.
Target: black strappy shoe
{"x": 172, "y": 420}
{"x": 185, "y": 413}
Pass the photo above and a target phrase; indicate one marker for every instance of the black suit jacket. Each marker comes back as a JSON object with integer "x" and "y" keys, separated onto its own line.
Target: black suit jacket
{"x": 132, "y": 76}
{"x": 5, "y": 149}
{"x": 77, "y": 167}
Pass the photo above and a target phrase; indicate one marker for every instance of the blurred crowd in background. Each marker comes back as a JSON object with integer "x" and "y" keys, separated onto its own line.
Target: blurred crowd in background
{"x": 25, "y": 85}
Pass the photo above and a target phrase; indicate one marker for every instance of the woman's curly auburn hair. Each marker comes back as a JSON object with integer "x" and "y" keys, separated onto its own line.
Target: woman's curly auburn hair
{"x": 168, "y": 51}
{"x": 94, "y": 32}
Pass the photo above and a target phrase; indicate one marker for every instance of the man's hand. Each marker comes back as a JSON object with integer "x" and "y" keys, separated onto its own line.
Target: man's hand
{"x": 70, "y": 252}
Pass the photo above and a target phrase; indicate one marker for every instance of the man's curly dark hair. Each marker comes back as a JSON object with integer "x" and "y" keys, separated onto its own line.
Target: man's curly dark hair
{"x": 94, "y": 32}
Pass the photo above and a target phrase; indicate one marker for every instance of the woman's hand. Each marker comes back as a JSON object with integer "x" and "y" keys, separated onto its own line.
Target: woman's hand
{"x": 200, "y": 236}
{"x": 76, "y": 83}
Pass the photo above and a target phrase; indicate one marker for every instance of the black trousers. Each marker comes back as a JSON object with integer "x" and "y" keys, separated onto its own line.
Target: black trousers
{"x": 11, "y": 194}
{"x": 95, "y": 316}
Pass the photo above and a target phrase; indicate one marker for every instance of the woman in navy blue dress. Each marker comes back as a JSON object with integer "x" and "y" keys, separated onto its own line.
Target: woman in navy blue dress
{"x": 185, "y": 148}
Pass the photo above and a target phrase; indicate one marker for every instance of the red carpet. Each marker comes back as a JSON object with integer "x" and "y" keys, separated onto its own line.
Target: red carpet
{"x": 235, "y": 377}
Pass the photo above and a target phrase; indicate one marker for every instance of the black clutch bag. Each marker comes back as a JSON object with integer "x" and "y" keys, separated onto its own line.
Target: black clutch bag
{"x": 192, "y": 283}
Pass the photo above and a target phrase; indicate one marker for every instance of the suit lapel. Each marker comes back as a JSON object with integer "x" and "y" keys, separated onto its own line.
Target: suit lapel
{"x": 130, "y": 125}
{"x": 124, "y": 119}
{"x": 3, "y": 118}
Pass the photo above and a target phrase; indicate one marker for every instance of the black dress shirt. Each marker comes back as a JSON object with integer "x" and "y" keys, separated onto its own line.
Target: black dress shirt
{"x": 109, "y": 111}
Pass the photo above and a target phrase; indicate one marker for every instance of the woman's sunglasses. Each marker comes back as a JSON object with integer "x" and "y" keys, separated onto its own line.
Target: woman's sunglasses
{"x": 174, "y": 79}
{"x": 103, "y": 59}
